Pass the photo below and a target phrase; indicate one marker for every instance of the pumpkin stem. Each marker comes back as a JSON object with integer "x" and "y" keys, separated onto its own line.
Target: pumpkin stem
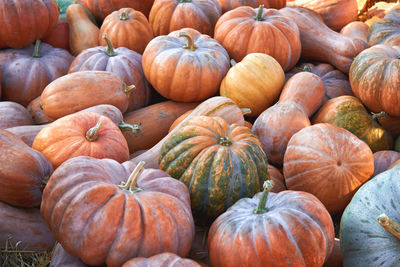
{"x": 225, "y": 141}
{"x": 390, "y": 225}
{"x": 44, "y": 182}
{"x": 190, "y": 44}
{"x": 123, "y": 16}
{"x": 130, "y": 185}
{"x": 233, "y": 62}
{"x": 128, "y": 89}
{"x": 306, "y": 68}
{"x": 129, "y": 127}
{"x": 259, "y": 16}
{"x": 268, "y": 184}
{"x": 378, "y": 115}
{"x": 245, "y": 111}
{"x": 36, "y": 49}
{"x": 110, "y": 48}
{"x": 93, "y": 133}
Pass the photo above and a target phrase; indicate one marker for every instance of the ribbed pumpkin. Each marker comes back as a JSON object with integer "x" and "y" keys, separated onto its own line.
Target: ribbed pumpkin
{"x": 336, "y": 83}
{"x": 383, "y": 159}
{"x": 246, "y": 30}
{"x": 81, "y": 134}
{"x": 27, "y": 71}
{"x": 13, "y": 114}
{"x": 349, "y": 113}
{"x": 227, "y": 5}
{"x": 106, "y": 213}
{"x": 328, "y": 162}
{"x": 24, "y": 172}
{"x": 289, "y": 228}
{"x": 254, "y": 83}
{"x": 172, "y": 15}
{"x": 374, "y": 78}
{"x": 22, "y": 22}
{"x": 185, "y": 66}
{"x": 219, "y": 162}
{"x": 369, "y": 227}
{"x": 387, "y": 30}
{"x": 123, "y": 62}
{"x": 163, "y": 259}
{"x": 92, "y": 88}
{"x": 127, "y": 28}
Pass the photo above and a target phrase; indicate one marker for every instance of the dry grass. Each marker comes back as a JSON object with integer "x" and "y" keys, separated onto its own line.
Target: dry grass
{"x": 12, "y": 256}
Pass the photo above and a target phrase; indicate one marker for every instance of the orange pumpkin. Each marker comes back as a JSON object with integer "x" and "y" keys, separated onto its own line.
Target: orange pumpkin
{"x": 328, "y": 162}
{"x": 246, "y": 30}
{"x": 356, "y": 29}
{"x": 227, "y": 5}
{"x": 81, "y": 134}
{"x": 163, "y": 259}
{"x": 185, "y": 66}
{"x": 172, "y": 15}
{"x": 126, "y": 28}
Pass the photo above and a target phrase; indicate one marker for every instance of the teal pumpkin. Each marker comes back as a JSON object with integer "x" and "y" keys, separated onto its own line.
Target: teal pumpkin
{"x": 363, "y": 240}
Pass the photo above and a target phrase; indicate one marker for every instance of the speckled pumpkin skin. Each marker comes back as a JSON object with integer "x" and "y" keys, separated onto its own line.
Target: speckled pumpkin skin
{"x": 349, "y": 113}
{"x": 219, "y": 162}
{"x": 364, "y": 242}
{"x": 386, "y": 30}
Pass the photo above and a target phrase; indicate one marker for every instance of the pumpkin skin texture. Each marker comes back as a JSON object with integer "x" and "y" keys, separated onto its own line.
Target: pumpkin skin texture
{"x": 356, "y": 29}
{"x": 124, "y": 63}
{"x": 219, "y": 106}
{"x": 26, "y": 133}
{"x": 23, "y": 21}
{"x": 23, "y": 172}
{"x": 335, "y": 13}
{"x": 246, "y": 30}
{"x": 387, "y": 30}
{"x": 336, "y": 83}
{"x": 227, "y": 5}
{"x": 349, "y": 113}
{"x": 375, "y": 78}
{"x": 364, "y": 242}
{"x": 61, "y": 258}
{"x": 171, "y": 15}
{"x": 219, "y": 162}
{"x": 165, "y": 259}
{"x": 277, "y": 178}
{"x": 123, "y": 224}
{"x": 319, "y": 42}
{"x": 30, "y": 69}
{"x": 25, "y": 227}
{"x": 102, "y": 8}
{"x": 328, "y": 162}
{"x": 13, "y": 114}
{"x": 301, "y": 96}
{"x": 81, "y": 135}
{"x": 383, "y": 160}
{"x": 36, "y": 112}
{"x": 127, "y": 28}
{"x": 254, "y": 83}
{"x": 90, "y": 87}
{"x": 293, "y": 229}
{"x": 185, "y": 69}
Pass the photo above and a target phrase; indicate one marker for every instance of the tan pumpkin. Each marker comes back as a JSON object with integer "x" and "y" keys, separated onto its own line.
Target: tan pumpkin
{"x": 126, "y": 28}
{"x": 255, "y": 82}
{"x": 92, "y": 88}
{"x": 319, "y": 42}
{"x": 301, "y": 96}
{"x": 81, "y": 134}
{"x": 246, "y": 30}
{"x": 328, "y": 162}
{"x": 356, "y": 29}
{"x": 185, "y": 66}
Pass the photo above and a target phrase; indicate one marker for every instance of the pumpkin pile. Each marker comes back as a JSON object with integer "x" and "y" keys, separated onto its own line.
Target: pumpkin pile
{"x": 199, "y": 133}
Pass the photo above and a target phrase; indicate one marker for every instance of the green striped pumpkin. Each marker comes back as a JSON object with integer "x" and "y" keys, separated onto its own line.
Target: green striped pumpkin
{"x": 219, "y": 162}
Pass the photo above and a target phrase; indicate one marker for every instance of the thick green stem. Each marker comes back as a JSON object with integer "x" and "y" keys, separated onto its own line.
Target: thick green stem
{"x": 379, "y": 115}
{"x": 135, "y": 128}
{"x": 259, "y": 16}
{"x": 306, "y": 68}
{"x": 130, "y": 185}
{"x": 36, "y": 49}
{"x": 110, "y": 48}
{"x": 261, "y": 208}
{"x": 390, "y": 225}
{"x": 128, "y": 89}
{"x": 190, "y": 44}
{"x": 123, "y": 16}
{"x": 93, "y": 133}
